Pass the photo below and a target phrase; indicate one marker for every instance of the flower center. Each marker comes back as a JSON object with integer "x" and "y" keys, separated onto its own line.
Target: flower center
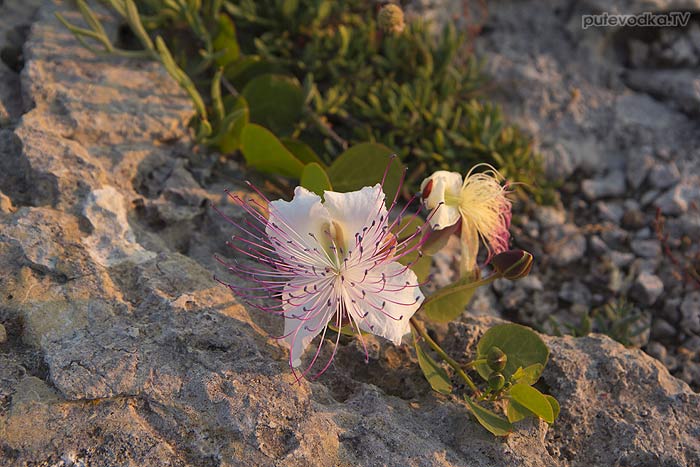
{"x": 335, "y": 246}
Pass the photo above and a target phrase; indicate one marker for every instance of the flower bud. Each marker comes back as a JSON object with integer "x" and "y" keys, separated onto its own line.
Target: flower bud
{"x": 391, "y": 18}
{"x": 513, "y": 264}
{"x": 496, "y": 359}
{"x": 496, "y": 381}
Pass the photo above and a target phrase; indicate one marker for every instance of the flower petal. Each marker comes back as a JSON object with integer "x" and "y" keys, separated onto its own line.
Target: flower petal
{"x": 297, "y": 225}
{"x": 305, "y": 316}
{"x": 391, "y": 297}
{"x": 470, "y": 250}
{"x": 355, "y": 211}
{"x": 443, "y": 198}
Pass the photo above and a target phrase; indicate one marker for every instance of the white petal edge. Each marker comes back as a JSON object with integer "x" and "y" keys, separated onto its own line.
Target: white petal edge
{"x": 296, "y": 219}
{"x": 447, "y": 186}
{"x": 386, "y": 323}
{"x": 300, "y": 332}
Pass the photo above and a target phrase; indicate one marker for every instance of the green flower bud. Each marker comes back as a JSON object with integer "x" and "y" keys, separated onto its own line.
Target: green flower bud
{"x": 496, "y": 381}
{"x": 513, "y": 264}
{"x": 391, "y": 19}
{"x": 496, "y": 359}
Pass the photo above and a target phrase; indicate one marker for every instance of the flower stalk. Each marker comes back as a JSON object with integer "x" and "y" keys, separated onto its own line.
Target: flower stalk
{"x": 449, "y": 360}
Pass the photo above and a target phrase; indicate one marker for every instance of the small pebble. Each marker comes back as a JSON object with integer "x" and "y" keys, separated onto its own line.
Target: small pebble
{"x": 647, "y": 288}
{"x": 646, "y": 248}
{"x": 662, "y": 329}
{"x": 664, "y": 175}
{"x": 690, "y": 312}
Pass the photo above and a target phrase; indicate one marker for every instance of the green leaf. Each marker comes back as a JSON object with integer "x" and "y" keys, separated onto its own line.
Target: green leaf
{"x": 248, "y": 67}
{"x": 528, "y": 375}
{"x": 555, "y": 405}
{"x": 421, "y": 265}
{"x": 407, "y": 227}
{"x": 275, "y": 101}
{"x": 497, "y": 425}
{"x": 225, "y": 42}
{"x": 364, "y": 165}
{"x": 232, "y": 126}
{"x": 315, "y": 179}
{"x": 516, "y": 412}
{"x": 434, "y": 373}
{"x": 302, "y": 151}
{"x": 449, "y": 302}
{"x": 289, "y": 7}
{"x": 347, "y": 330}
{"x": 264, "y": 152}
{"x": 522, "y": 346}
{"x": 533, "y": 400}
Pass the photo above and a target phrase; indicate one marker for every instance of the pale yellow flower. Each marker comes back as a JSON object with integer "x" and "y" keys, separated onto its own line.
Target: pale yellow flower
{"x": 480, "y": 201}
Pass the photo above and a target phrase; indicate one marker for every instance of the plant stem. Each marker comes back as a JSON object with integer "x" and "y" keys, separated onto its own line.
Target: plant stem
{"x": 326, "y": 129}
{"x": 474, "y": 363}
{"x": 449, "y": 360}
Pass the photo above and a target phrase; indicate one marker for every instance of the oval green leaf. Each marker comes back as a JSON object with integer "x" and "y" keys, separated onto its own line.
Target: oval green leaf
{"x": 248, "y": 67}
{"x": 264, "y": 152}
{"x": 232, "y": 126}
{"x": 522, "y": 346}
{"x": 315, "y": 179}
{"x": 347, "y": 330}
{"x": 275, "y": 101}
{"x": 420, "y": 265}
{"x": 555, "y": 405}
{"x": 533, "y": 400}
{"x": 434, "y": 373}
{"x": 364, "y": 165}
{"x": 497, "y": 425}
{"x": 516, "y": 412}
{"x": 449, "y": 302}
{"x": 528, "y": 375}
{"x": 407, "y": 227}
{"x": 302, "y": 151}
{"x": 225, "y": 42}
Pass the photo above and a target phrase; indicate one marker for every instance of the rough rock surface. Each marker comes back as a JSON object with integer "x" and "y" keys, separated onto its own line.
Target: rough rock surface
{"x": 121, "y": 350}
{"x": 614, "y": 112}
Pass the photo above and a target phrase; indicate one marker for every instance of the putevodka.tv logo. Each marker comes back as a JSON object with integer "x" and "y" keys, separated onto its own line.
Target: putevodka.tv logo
{"x": 646, "y": 19}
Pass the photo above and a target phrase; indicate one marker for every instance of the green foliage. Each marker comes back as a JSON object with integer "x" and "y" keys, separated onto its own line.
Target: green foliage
{"x": 490, "y": 420}
{"x": 449, "y": 302}
{"x": 434, "y": 373}
{"x": 302, "y": 151}
{"x": 526, "y": 357}
{"x": 522, "y": 346}
{"x": 364, "y": 165}
{"x": 510, "y": 359}
{"x": 266, "y": 153}
{"x": 417, "y": 261}
{"x": 533, "y": 400}
{"x": 276, "y": 102}
{"x": 619, "y": 320}
{"x": 412, "y": 90}
{"x": 314, "y": 178}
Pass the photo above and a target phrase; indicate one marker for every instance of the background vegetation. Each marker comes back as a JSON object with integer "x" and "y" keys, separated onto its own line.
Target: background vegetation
{"x": 294, "y": 84}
